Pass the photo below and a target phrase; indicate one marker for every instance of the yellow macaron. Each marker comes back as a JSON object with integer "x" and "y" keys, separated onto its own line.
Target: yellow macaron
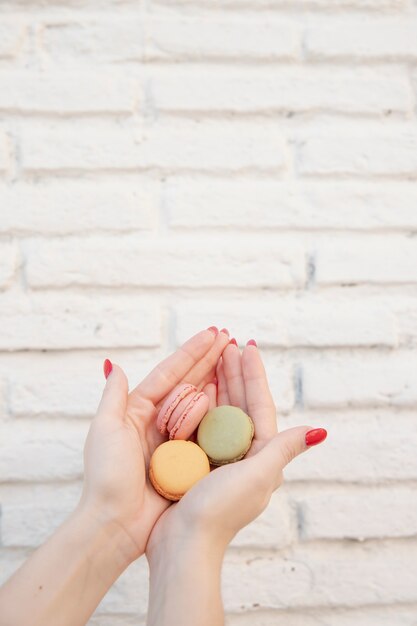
{"x": 176, "y": 466}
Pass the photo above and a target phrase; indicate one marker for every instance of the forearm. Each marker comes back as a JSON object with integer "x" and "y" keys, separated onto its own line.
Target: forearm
{"x": 185, "y": 588}
{"x": 64, "y": 580}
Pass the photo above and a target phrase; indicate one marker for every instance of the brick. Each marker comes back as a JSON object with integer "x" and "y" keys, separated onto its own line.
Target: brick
{"x": 289, "y": 90}
{"x": 308, "y": 576}
{"x": 165, "y": 262}
{"x": 30, "y": 514}
{"x": 281, "y": 377}
{"x": 11, "y": 560}
{"x": 12, "y": 35}
{"x": 81, "y": 321}
{"x": 4, "y": 398}
{"x": 302, "y": 320}
{"x": 189, "y": 38}
{"x": 406, "y": 314}
{"x": 71, "y": 43}
{"x": 361, "y": 381}
{"x": 275, "y": 528}
{"x": 360, "y": 206}
{"x": 4, "y": 153}
{"x": 333, "y": 513}
{"x": 48, "y": 207}
{"x": 48, "y": 450}
{"x": 210, "y": 147}
{"x": 359, "y": 155}
{"x": 314, "y": 205}
{"x": 334, "y": 616}
{"x": 67, "y": 93}
{"x": 373, "y": 260}
{"x": 390, "y": 38}
{"x": 383, "y": 444}
{"x": 327, "y": 5}
{"x": 76, "y": 392}
{"x": 122, "y": 620}
{"x": 8, "y": 264}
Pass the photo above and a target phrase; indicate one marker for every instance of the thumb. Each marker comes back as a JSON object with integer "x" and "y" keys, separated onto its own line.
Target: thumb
{"x": 113, "y": 402}
{"x": 285, "y": 446}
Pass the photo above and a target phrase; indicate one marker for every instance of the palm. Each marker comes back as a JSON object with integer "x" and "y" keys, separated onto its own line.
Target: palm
{"x": 117, "y": 452}
{"x": 241, "y": 382}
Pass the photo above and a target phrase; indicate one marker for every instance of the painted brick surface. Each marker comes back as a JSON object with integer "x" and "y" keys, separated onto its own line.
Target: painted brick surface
{"x": 222, "y": 39}
{"x": 165, "y": 261}
{"x": 4, "y": 153}
{"x": 8, "y": 264}
{"x": 290, "y": 205}
{"x": 166, "y": 166}
{"x": 361, "y": 155}
{"x": 81, "y": 322}
{"x": 383, "y": 38}
{"x": 202, "y": 147}
{"x": 12, "y": 35}
{"x": 296, "y": 90}
{"x": 74, "y": 207}
{"x": 71, "y": 92}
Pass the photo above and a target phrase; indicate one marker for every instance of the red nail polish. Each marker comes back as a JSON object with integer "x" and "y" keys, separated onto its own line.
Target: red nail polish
{"x": 214, "y": 330}
{"x": 224, "y": 330}
{"x": 252, "y": 342}
{"x": 315, "y": 436}
{"x": 107, "y": 367}
{"x": 233, "y": 340}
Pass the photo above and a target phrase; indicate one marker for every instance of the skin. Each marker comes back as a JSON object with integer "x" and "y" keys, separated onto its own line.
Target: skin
{"x": 185, "y": 564}
{"x": 120, "y": 516}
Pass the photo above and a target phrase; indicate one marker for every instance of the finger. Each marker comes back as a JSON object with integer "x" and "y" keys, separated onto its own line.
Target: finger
{"x": 113, "y": 401}
{"x": 282, "y": 449}
{"x": 203, "y": 372}
{"x": 174, "y": 368}
{"x": 232, "y": 367}
{"x": 211, "y": 390}
{"x": 259, "y": 399}
{"x": 222, "y": 394}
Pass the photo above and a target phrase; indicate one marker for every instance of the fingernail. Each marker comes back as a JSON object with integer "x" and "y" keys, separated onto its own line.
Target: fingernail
{"x": 214, "y": 330}
{"x": 252, "y": 342}
{"x": 233, "y": 341}
{"x": 315, "y": 436}
{"x": 224, "y": 330}
{"x": 107, "y": 367}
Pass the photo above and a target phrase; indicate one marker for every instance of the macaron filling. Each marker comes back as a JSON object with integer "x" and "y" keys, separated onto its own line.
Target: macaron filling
{"x": 165, "y": 413}
{"x": 185, "y": 414}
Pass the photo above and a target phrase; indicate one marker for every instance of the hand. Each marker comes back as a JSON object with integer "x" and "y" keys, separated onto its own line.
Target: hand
{"x": 123, "y": 436}
{"x": 233, "y": 495}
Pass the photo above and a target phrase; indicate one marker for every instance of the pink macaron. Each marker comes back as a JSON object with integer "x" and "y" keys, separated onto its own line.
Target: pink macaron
{"x": 182, "y": 411}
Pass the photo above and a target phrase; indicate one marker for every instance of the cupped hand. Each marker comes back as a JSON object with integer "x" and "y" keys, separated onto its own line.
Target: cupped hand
{"x": 233, "y": 495}
{"x": 123, "y": 436}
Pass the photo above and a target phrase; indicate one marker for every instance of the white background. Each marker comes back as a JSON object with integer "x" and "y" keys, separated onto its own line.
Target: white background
{"x": 166, "y": 166}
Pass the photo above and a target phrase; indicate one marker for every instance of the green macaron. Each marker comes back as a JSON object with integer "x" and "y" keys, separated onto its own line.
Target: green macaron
{"x": 225, "y": 434}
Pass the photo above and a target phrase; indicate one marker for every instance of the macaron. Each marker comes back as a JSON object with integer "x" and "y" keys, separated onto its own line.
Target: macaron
{"x": 225, "y": 434}
{"x": 182, "y": 411}
{"x": 176, "y": 466}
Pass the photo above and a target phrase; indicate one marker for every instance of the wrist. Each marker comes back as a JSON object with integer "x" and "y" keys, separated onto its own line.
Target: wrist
{"x": 185, "y": 573}
{"x": 174, "y": 541}
{"x": 105, "y": 535}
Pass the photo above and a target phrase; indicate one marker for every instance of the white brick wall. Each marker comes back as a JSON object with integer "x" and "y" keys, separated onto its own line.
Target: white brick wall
{"x": 169, "y": 165}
